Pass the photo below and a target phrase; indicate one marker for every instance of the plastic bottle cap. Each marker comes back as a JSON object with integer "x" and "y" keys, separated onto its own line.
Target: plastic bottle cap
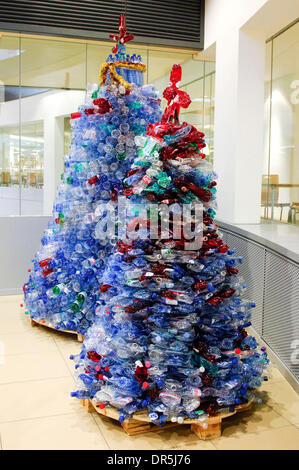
{"x": 148, "y": 364}
{"x": 238, "y": 351}
{"x": 145, "y": 385}
{"x": 102, "y": 406}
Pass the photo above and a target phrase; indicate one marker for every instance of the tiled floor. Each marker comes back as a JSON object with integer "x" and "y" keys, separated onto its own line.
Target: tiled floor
{"x": 37, "y": 412}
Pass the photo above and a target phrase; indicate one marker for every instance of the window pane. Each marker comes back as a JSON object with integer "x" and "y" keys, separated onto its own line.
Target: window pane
{"x": 194, "y": 113}
{"x": 34, "y": 117}
{"x": 265, "y": 193}
{"x": 212, "y": 113}
{"x": 9, "y": 127}
{"x": 96, "y": 56}
{"x": 9, "y": 62}
{"x": 284, "y": 153}
{"x": 159, "y": 67}
{"x": 53, "y": 64}
{"x": 32, "y": 165}
{"x": 43, "y": 146}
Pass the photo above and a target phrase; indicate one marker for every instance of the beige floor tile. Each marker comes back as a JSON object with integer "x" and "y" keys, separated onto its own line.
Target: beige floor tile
{"x": 176, "y": 438}
{"x": 12, "y": 298}
{"x": 75, "y": 431}
{"x": 13, "y": 321}
{"x": 32, "y": 367}
{"x": 36, "y": 399}
{"x": 286, "y": 438}
{"x": 279, "y": 395}
{"x": 260, "y": 418}
{"x": 8, "y": 306}
{"x": 29, "y": 341}
{"x": 274, "y": 374}
{"x": 15, "y": 300}
{"x": 40, "y": 414}
{"x": 67, "y": 346}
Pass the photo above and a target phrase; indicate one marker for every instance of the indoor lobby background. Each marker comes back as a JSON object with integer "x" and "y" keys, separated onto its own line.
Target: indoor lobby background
{"x": 244, "y": 88}
{"x": 42, "y": 82}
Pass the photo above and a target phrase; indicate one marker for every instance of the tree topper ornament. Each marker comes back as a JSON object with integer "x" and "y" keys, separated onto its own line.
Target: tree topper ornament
{"x": 122, "y": 37}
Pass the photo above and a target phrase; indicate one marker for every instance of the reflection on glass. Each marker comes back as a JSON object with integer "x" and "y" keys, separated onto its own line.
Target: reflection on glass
{"x": 9, "y": 126}
{"x": 200, "y": 113}
{"x": 21, "y": 171}
{"x": 280, "y": 179}
{"x": 159, "y": 67}
{"x": 53, "y": 64}
{"x": 96, "y": 55}
{"x": 9, "y": 156}
{"x": 9, "y": 63}
{"x": 194, "y": 113}
{"x": 32, "y": 154}
{"x": 32, "y": 168}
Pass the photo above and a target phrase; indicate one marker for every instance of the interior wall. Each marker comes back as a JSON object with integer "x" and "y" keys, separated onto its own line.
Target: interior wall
{"x": 222, "y": 16}
{"x": 20, "y": 240}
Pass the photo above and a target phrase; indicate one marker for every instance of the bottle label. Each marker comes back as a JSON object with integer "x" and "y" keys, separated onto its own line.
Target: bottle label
{"x": 146, "y": 179}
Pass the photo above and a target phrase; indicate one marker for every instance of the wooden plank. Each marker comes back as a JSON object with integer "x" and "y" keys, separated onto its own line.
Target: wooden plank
{"x": 209, "y": 428}
{"x": 135, "y": 427}
{"x": 211, "y": 431}
{"x": 34, "y": 322}
{"x": 80, "y": 338}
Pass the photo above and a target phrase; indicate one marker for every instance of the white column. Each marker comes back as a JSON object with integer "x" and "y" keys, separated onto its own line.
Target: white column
{"x": 239, "y": 114}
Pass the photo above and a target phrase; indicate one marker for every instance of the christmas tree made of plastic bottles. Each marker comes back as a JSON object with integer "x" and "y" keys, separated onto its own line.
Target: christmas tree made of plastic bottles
{"x": 169, "y": 336}
{"x": 63, "y": 285}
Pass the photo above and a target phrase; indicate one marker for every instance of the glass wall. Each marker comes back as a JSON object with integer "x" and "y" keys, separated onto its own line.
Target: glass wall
{"x": 42, "y": 81}
{"x": 280, "y": 178}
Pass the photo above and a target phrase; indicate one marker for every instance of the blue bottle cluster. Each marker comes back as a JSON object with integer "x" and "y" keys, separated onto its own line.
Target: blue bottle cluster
{"x": 169, "y": 332}
{"x": 63, "y": 284}
{"x": 130, "y": 75}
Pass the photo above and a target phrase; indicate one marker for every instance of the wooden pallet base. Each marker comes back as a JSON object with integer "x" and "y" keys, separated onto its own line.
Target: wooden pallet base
{"x": 80, "y": 337}
{"x": 140, "y": 423}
